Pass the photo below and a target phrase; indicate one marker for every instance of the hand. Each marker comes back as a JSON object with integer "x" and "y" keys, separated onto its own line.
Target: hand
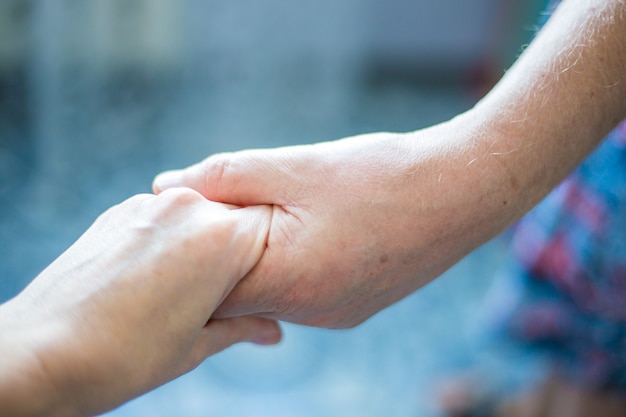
{"x": 357, "y": 223}
{"x": 128, "y": 306}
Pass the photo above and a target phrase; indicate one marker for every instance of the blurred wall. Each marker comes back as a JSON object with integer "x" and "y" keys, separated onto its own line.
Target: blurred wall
{"x": 86, "y": 86}
{"x": 447, "y": 40}
{"x": 96, "y": 96}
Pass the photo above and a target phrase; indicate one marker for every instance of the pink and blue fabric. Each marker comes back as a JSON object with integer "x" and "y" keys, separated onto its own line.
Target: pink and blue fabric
{"x": 568, "y": 266}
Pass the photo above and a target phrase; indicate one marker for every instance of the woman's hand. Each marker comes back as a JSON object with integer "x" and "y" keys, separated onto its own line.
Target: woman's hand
{"x": 128, "y": 306}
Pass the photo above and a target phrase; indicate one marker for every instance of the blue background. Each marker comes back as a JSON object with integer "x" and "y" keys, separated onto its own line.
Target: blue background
{"x": 97, "y": 97}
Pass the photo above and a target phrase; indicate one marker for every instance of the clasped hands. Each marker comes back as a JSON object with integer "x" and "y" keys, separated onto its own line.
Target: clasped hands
{"x": 323, "y": 235}
{"x": 356, "y": 224}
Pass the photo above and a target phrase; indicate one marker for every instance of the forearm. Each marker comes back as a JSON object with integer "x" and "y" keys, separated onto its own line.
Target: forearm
{"x": 492, "y": 164}
{"x": 565, "y": 93}
{"x": 25, "y": 388}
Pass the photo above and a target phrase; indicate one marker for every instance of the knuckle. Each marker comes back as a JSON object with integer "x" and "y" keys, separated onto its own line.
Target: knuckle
{"x": 215, "y": 169}
{"x": 172, "y": 206}
{"x": 225, "y": 229}
{"x": 180, "y": 197}
{"x": 127, "y": 207}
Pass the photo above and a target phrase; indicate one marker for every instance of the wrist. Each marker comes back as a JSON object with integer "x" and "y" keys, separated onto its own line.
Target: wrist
{"x": 27, "y": 387}
{"x": 473, "y": 174}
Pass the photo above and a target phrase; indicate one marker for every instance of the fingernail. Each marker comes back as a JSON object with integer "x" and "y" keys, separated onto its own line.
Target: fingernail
{"x": 168, "y": 179}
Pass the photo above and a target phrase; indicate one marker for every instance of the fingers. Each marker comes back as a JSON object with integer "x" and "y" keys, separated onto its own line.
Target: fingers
{"x": 219, "y": 246}
{"x": 252, "y": 229}
{"x": 217, "y": 335}
{"x": 243, "y": 178}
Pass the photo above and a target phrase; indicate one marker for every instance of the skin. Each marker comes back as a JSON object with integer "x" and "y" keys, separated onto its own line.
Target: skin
{"x": 128, "y": 307}
{"x": 361, "y": 222}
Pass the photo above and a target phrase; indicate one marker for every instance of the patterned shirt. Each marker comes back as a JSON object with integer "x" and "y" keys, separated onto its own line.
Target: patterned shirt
{"x": 569, "y": 270}
{"x": 564, "y": 290}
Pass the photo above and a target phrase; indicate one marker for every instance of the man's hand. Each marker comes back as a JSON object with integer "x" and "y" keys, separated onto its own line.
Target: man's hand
{"x": 128, "y": 306}
{"x": 362, "y": 222}
{"x": 357, "y": 223}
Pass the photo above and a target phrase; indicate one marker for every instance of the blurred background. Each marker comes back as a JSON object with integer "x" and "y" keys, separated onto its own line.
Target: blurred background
{"x": 97, "y": 97}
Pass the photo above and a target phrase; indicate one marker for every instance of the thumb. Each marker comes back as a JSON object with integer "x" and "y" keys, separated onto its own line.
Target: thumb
{"x": 243, "y": 178}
